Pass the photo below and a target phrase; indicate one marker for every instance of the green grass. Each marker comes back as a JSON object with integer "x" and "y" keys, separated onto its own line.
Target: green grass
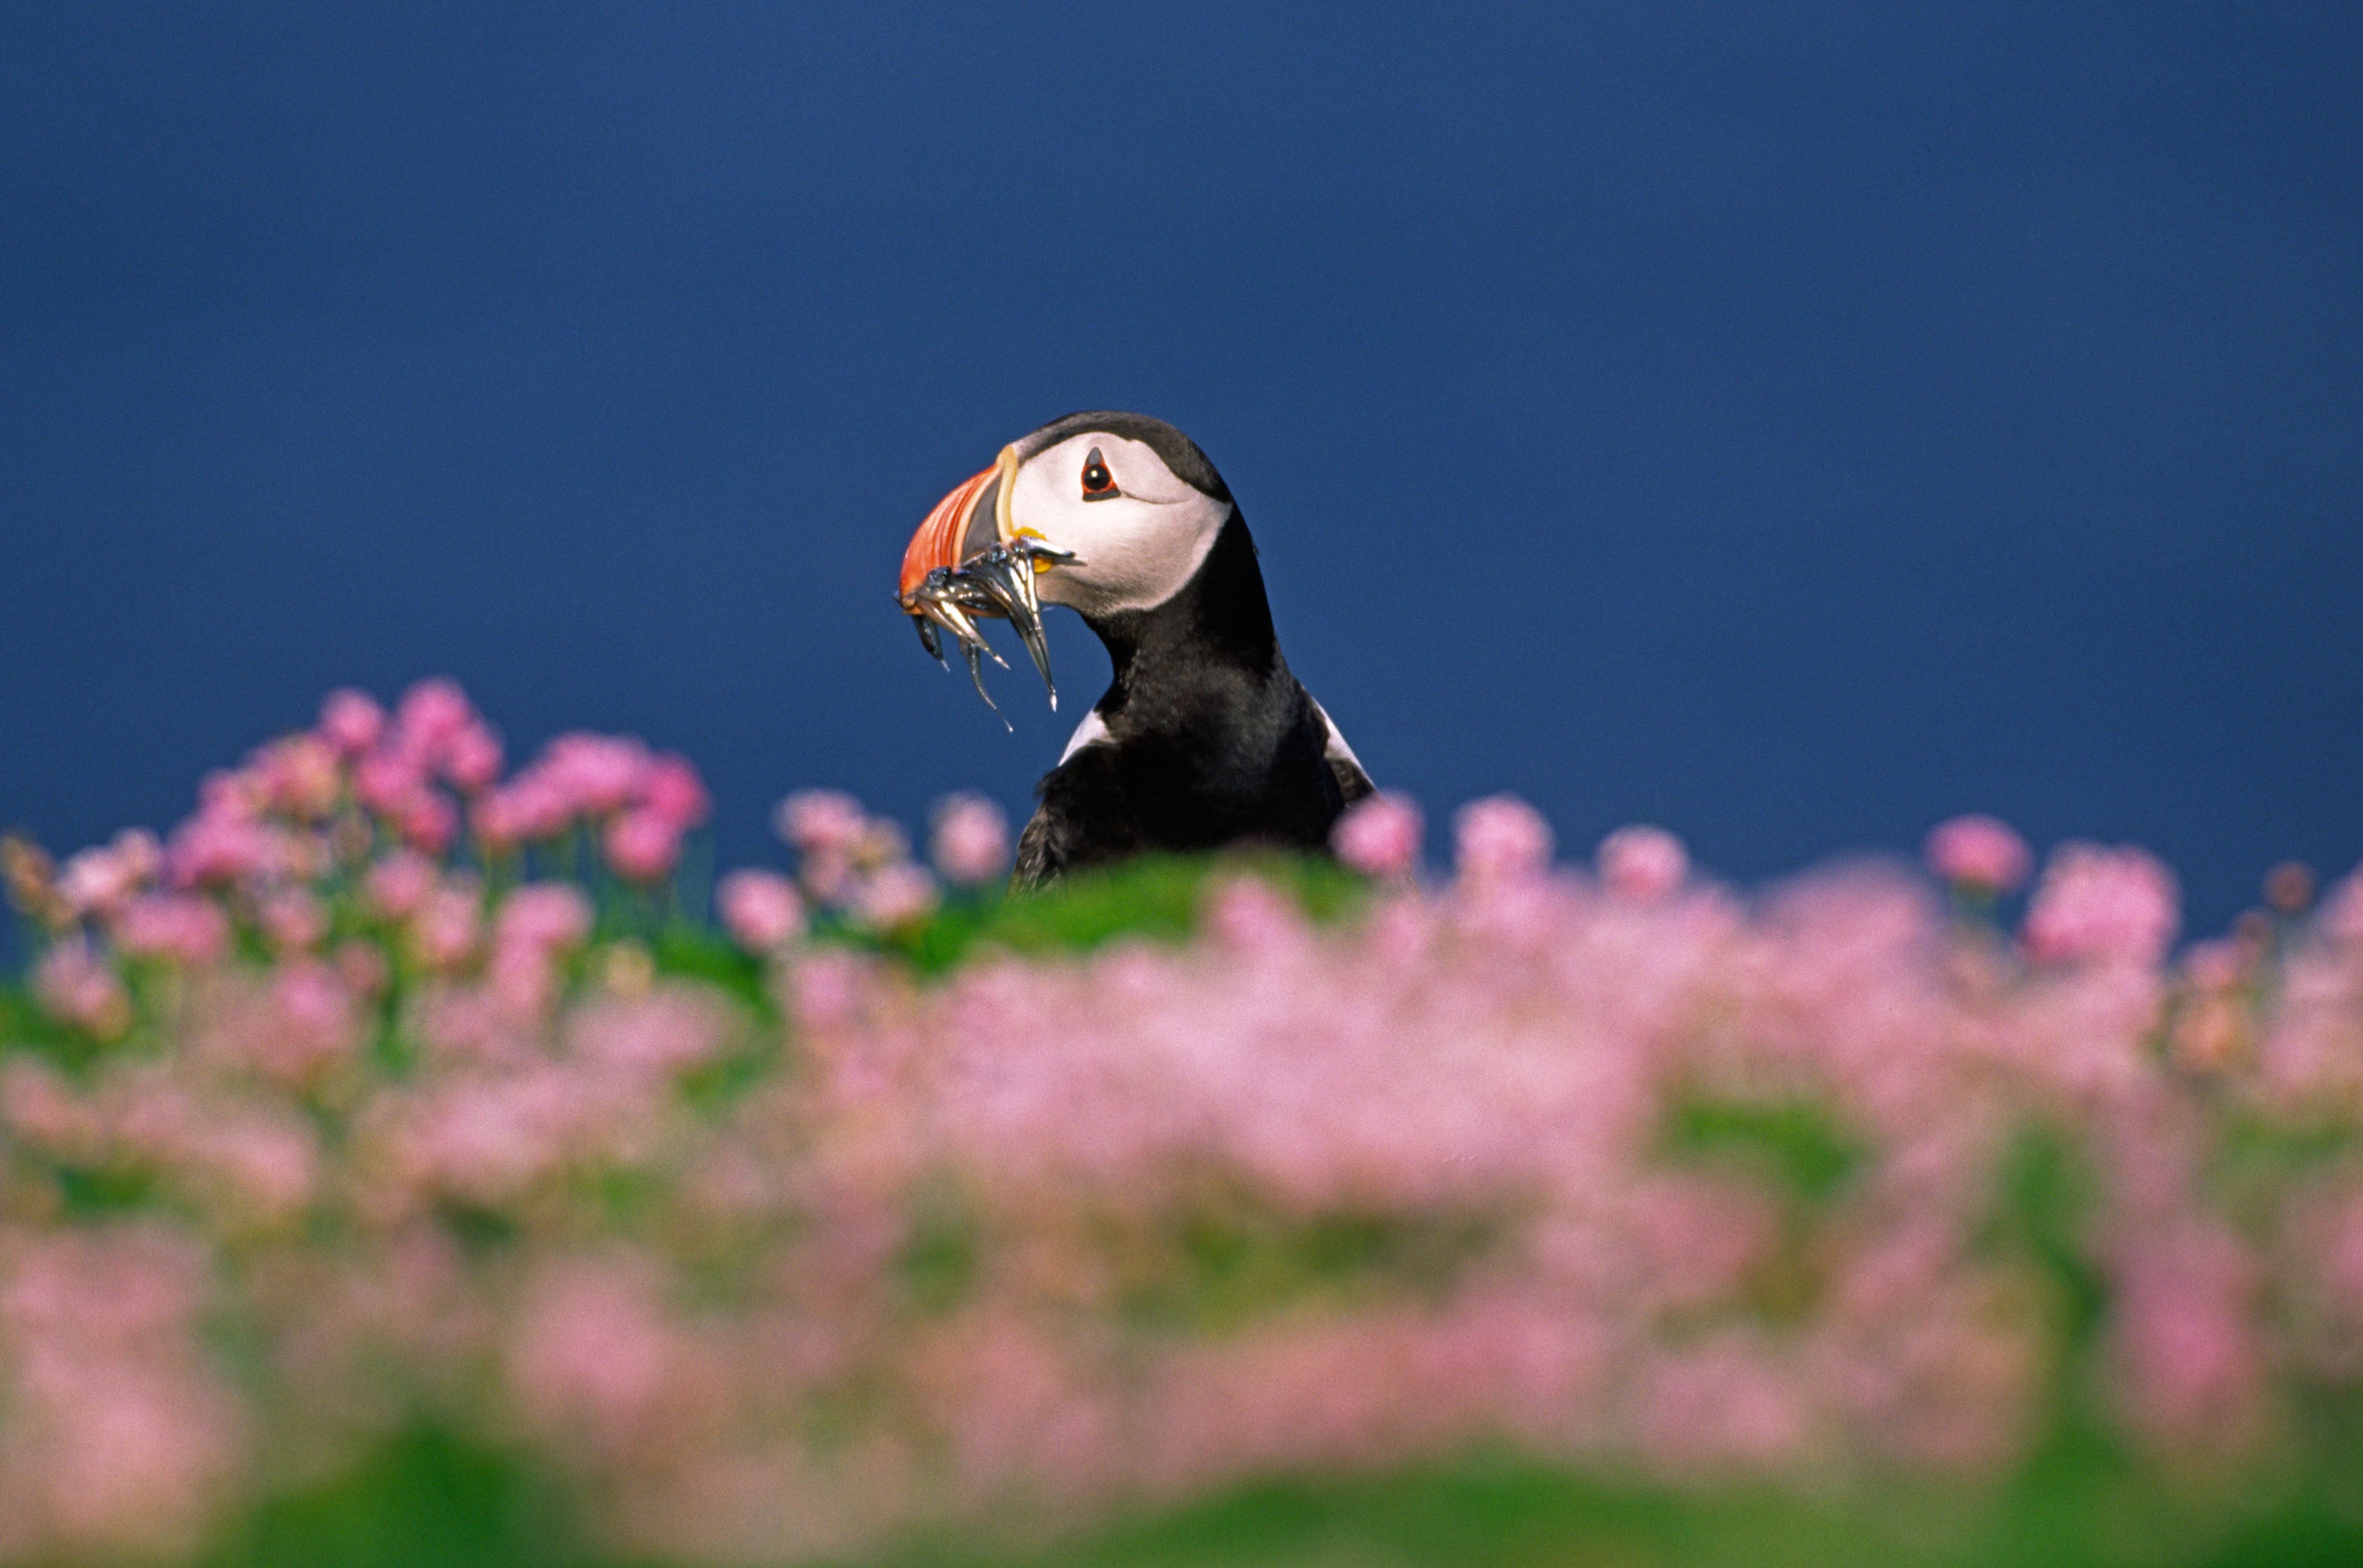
{"x": 426, "y": 1500}
{"x": 1154, "y": 897}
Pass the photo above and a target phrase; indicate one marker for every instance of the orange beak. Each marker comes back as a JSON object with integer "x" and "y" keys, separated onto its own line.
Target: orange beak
{"x": 971, "y": 519}
{"x": 969, "y": 558}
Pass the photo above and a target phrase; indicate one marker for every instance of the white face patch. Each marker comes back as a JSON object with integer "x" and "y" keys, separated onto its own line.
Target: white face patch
{"x": 1135, "y": 548}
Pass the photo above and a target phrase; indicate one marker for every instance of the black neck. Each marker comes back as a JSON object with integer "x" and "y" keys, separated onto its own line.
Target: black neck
{"x": 1214, "y": 633}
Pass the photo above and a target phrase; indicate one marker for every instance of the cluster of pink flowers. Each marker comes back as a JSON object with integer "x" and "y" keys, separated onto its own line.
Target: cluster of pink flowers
{"x": 1611, "y": 1163}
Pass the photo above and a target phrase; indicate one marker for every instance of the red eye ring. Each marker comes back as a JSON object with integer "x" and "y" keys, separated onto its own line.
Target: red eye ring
{"x": 1098, "y": 483}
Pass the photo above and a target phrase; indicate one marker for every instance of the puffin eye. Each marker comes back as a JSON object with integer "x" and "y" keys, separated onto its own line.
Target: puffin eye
{"x": 1098, "y": 483}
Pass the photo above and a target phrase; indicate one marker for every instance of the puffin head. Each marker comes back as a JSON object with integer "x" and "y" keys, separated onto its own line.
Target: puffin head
{"x": 1102, "y": 511}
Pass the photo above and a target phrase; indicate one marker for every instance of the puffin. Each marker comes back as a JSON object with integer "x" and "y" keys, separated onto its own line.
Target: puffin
{"x": 1203, "y": 739}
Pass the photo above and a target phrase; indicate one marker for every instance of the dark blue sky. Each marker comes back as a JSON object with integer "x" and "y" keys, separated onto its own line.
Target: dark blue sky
{"x": 1790, "y": 425}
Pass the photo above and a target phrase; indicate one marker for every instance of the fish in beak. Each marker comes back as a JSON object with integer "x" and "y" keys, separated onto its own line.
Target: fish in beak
{"x": 970, "y": 560}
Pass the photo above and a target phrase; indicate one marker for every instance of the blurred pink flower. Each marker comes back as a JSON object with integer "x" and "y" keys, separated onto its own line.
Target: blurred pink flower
{"x": 2193, "y": 1368}
{"x": 2341, "y": 912}
{"x": 1978, "y": 852}
{"x": 432, "y": 715}
{"x": 397, "y": 884}
{"x": 362, "y": 967}
{"x": 293, "y": 919}
{"x": 2095, "y": 903}
{"x": 75, "y": 985}
{"x": 971, "y": 840}
{"x": 595, "y": 775}
{"x": 301, "y": 775}
{"x": 180, "y": 926}
{"x": 471, "y": 758}
{"x": 671, "y": 788}
{"x": 1380, "y": 835}
{"x": 642, "y": 845}
{"x": 894, "y": 896}
{"x": 761, "y": 910}
{"x": 448, "y": 925}
{"x": 216, "y": 848}
{"x": 1642, "y": 863}
{"x": 314, "y": 1021}
{"x": 528, "y": 810}
{"x": 544, "y": 917}
{"x": 387, "y": 778}
{"x": 427, "y": 821}
{"x": 819, "y": 822}
{"x": 1498, "y": 838}
{"x": 97, "y": 880}
{"x": 351, "y": 721}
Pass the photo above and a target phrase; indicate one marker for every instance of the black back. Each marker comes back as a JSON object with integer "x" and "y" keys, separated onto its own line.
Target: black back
{"x": 1210, "y": 740}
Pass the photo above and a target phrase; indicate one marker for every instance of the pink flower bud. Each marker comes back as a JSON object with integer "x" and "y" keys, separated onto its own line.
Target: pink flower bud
{"x": 1642, "y": 863}
{"x": 642, "y": 847}
{"x": 75, "y": 987}
{"x": 428, "y": 822}
{"x": 1380, "y": 835}
{"x": 292, "y": 920}
{"x": 546, "y": 917}
{"x": 761, "y": 910}
{"x": 820, "y": 821}
{"x": 971, "y": 840}
{"x": 672, "y": 789}
{"x": 179, "y": 926}
{"x": 398, "y": 884}
{"x": 300, "y": 777}
{"x": 1979, "y": 853}
{"x": 448, "y": 925}
{"x": 97, "y": 882}
{"x": 894, "y": 896}
{"x": 594, "y": 774}
{"x": 431, "y": 714}
{"x": 2099, "y": 904}
{"x": 216, "y": 848}
{"x": 1499, "y": 837}
{"x": 350, "y": 720}
{"x": 471, "y": 759}
{"x": 386, "y": 778}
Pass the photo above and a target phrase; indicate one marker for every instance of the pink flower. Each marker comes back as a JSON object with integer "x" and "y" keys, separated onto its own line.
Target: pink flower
{"x": 432, "y": 715}
{"x": 216, "y": 849}
{"x": 2102, "y": 904}
{"x": 594, "y": 774}
{"x": 75, "y": 986}
{"x": 545, "y": 917}
{"x": 1380, "y": 835}
{"x": 761, "y": 910}
{"x": 98, "y": 880}
{"x": 293, "y": 919}
{"x": 671, "y": 788}
{"x": 350, "y": 720}
{"x": 971, "y": 840}
{"x": 1979, "y": 853}
{"x": 179, "y": 926}
{"x": 428, "y": 822}
{"x": 385, "y": 778}
{"x": 2341, "y": 912}
{"x": 398, "y": 884}
{"x": 1499, "y": 837}
{"x": 448, "y": 925}
{"x": 894, "y": 896}
{"x": 361, "y": 967}
{"x": 1642, "y": 863}
{"x": 642, "y": 845}
{"x": 471, "y": 758}
{"x": 301, "y": 775}
{"x": 532, "y": 807}
{"x": 821, "y": 821}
